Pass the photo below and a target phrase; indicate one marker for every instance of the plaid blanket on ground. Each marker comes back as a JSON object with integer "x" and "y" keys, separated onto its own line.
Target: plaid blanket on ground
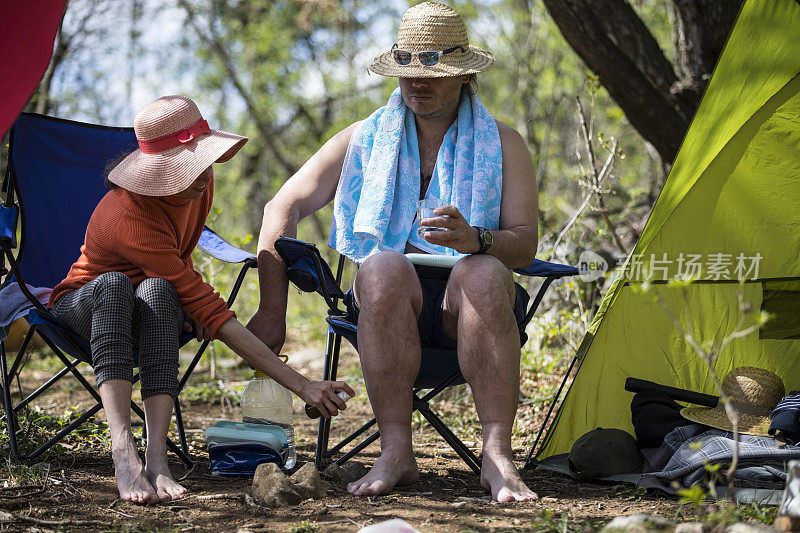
{"x": 688, "y": 449}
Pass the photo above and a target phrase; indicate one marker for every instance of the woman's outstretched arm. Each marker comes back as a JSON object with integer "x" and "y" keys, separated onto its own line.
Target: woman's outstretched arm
{"x": 320, "y": 394}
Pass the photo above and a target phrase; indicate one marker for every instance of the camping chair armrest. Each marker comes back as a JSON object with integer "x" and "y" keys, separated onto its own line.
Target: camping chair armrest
{"x": 8, "y": 223}
{"x": 546, "y": 269}
{"x": 8, "y": 234}
{"x": 309, "y": 272}
{"x": 549, "y": 271}
{"x": 219, "y": 248}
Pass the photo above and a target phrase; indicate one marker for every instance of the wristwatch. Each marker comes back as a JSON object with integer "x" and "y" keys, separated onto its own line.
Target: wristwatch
{"x": 485, "y": 239}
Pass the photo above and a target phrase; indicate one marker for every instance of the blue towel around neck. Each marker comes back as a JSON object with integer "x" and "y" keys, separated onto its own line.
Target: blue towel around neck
{"x": 375, "y": 204}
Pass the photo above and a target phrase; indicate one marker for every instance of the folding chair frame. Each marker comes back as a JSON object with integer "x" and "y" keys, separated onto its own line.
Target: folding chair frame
{"x": 40, "y": 320}
{"x": 339, "y": 327}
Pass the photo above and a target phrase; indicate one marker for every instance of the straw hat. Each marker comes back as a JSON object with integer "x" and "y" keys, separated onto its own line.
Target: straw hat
{"x": 753, "y": 392}
{"x": 433, "y": 27}
{"x": 175, "y": 147}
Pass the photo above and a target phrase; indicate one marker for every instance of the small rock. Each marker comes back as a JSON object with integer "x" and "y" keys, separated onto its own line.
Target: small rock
{"x": 689, "y": 527}
{"x": 271, "y": 487}
{"x": 638, "y": 523}
{"x": 345, "y": 474}
{"x": 458, "y": 505}
{"x": 308, "y": 483}
{"x": 748, "y": 528}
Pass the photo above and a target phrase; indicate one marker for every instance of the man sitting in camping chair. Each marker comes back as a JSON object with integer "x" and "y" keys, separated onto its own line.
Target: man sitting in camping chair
{"x": 434, "y": 139}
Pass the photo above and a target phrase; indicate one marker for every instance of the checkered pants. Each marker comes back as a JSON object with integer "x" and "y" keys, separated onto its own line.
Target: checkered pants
{"x": 116, "y": 319}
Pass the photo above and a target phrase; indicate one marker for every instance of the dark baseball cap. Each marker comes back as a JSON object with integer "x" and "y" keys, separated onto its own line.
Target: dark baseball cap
{"x": 604, "y": 452}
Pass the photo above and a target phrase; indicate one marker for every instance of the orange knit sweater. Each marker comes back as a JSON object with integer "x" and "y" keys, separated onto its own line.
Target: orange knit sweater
{"x": 149, "y": 237}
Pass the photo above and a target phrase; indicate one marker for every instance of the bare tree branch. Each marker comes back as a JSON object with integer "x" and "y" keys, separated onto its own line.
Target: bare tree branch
{"x": 596, "y": 177}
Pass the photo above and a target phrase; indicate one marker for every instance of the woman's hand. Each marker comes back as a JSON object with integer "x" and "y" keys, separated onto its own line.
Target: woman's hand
{"x": 459, "y": 236}
{"x": 322, "y": 395}
{"x": 189, "y": 324}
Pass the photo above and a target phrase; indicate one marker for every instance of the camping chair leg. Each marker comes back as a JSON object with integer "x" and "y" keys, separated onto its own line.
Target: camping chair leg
{"x": 53, "y": 380}
{"x": 22, "y": 351}
{"x": 357, "y": 449}
{"x": 11, "y": 417}
{"x": 332, "y": 346}
{"x": 181, "y": 430}
{"x": 193, "y": 364}
{"x": 529, "y": 459}
{"x": 441, "y": 428}
{"x": 64, "y": 432}
{"x": 351, "y": 437}
{"x": 537, "y": 300}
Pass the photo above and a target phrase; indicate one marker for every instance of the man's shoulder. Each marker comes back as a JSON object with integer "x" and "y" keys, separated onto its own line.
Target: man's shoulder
{"x": 341, "y": 140}
{"x": 507, "y": 133}
{"x": 510, "y": 140}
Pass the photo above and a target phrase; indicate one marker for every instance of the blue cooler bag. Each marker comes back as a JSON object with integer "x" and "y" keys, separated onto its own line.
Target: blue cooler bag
{"x": 237, "y": 448}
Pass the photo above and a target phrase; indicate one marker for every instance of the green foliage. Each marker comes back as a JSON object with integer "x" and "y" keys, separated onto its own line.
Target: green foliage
{"x": 210, "y": 392}
{"x": 632, "y": 493}
{"x": 549, "y": 522}
{"x": 19, "y": 474}
{"x": 35, "y": 427}
{"x": 304, "y": 527}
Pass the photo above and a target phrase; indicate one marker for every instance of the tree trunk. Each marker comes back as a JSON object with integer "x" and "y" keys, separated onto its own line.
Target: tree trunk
{"x": 614, "y": 43}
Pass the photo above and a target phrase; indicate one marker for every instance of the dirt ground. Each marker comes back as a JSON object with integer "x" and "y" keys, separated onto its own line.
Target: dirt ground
{"x": 80, "y": 492}
{"x": 81, "y": 495}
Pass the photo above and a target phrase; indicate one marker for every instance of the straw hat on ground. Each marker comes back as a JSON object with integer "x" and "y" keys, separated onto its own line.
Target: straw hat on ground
{"x": 175, "y": 147}
{"x": 753, "y": 392}
{"x": 433, "y": 27}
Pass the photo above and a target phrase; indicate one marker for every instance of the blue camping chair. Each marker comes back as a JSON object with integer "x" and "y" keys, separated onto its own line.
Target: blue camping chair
{"x": 438, "y": 368}
{"x": 53, "y": 182}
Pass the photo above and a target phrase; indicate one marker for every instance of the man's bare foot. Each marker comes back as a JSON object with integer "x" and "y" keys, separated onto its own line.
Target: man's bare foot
{"x": 159, "y": 475}
{"x": 500, "y": 476}
{"x": 131, "y": 477}
{"x": 389, "y": 471}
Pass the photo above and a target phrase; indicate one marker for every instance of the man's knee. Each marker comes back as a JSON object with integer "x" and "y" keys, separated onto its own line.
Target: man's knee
{"x": 484, "y": 281}
{"x": 386, "y": 280}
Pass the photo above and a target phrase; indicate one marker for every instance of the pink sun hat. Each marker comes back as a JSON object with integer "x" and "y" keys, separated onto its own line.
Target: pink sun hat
{"x": 175, "y": 146}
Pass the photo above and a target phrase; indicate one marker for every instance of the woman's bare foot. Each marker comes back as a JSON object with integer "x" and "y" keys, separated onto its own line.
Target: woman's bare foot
{"x": 131, "y": 477}
{"x": 390, "y": 470}
{"x": 500, "y": 476}
{"x": 161, "y": 478}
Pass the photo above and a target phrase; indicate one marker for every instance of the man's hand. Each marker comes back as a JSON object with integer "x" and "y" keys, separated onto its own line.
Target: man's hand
{"x": 269, "y": 330}
{"x": 322, "y": 395}
{"x": 190, "y": 324}
{"x": 459, "y": 236}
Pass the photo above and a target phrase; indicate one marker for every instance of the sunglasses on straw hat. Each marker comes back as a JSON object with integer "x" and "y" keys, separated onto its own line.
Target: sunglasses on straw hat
{"x": 436, "y": 35}
{"x": 426, "y": 58}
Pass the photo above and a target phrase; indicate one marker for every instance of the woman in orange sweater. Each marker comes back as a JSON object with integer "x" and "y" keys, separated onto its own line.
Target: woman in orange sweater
{"x": 134, "y": 287}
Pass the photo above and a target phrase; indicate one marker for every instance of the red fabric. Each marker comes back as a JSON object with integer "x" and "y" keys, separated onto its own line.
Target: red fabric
{"x": 28, "y": 29}
{"x": 153, "y": 146}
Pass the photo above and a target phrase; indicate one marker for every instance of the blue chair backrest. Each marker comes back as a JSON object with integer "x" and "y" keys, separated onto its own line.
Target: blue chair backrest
{"x": 58, "y": 167}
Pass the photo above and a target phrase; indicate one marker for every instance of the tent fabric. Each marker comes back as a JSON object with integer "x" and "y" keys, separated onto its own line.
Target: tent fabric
{"x": 29, "y": 29}
{"x": 729, "y": 207}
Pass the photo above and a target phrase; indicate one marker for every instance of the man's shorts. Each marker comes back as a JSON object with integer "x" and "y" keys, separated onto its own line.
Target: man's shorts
{"x": 434, "y": 282}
